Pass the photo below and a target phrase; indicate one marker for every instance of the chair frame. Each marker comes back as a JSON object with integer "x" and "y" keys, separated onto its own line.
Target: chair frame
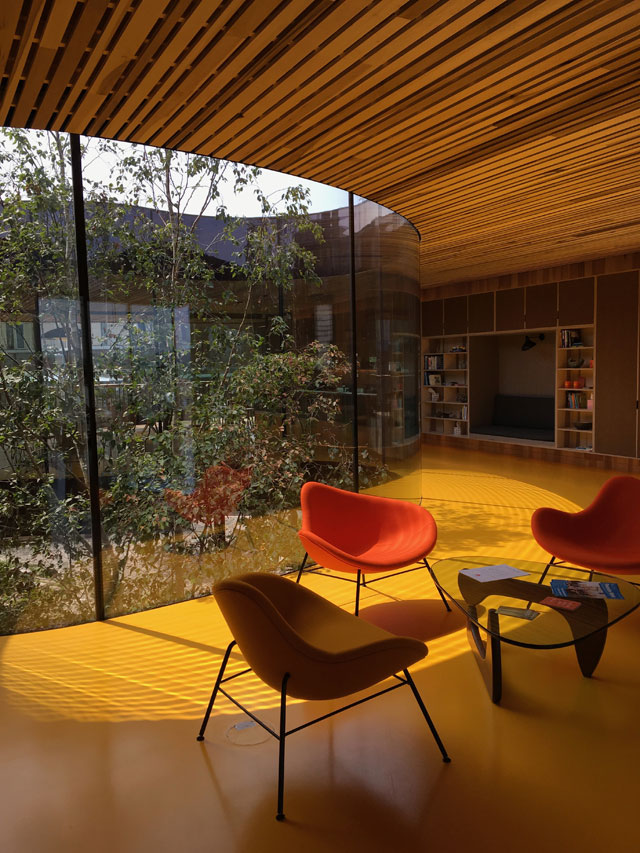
{"x": 282, "y": 733}
{"x": 563, "y": 564}
{"x": 361, "y": 580}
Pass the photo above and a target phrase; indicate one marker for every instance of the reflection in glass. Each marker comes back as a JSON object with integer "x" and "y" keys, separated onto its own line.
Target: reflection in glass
{"x": 215, "y": 402}
{"x": 46, "y": 575}
{"x": 222, "y": 345}
{"x": 388, "y": 345}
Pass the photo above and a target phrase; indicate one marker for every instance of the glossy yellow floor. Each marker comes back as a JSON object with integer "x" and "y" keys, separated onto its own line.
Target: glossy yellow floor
{"x": 98, "y": 723}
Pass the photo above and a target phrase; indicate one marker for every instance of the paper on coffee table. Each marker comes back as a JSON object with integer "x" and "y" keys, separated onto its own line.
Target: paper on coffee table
{"x": 493, "y": 573}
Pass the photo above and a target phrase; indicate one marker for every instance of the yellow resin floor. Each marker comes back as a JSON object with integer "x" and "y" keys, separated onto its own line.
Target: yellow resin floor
{"x": 98, "y": 723}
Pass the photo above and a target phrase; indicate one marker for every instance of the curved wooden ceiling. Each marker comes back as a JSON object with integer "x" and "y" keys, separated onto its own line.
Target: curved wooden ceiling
{"x": 507, "y": 132}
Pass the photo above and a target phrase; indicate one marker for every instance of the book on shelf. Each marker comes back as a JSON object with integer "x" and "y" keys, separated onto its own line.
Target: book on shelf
{"x": 432, "y": 379}
{"x": 585, "y": 589}
{"x": 570, "y": 338}
{"x": 433, "y": 362}
{"x": 576, "y": 400}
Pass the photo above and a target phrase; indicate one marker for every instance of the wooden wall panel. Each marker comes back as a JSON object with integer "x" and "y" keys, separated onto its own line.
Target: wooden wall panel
{"x": 616, "y": 364}
{"x": 544, "y": 275}
{"x": 432, "y": 318}
{"x": 575, "y": 302}
{"x": 510, "y": 309}
{"x": 481, "y": 312}
{"x": 455, "y": 315}
{"x": 541, "y": 306}
{"x": 483, "y": 379}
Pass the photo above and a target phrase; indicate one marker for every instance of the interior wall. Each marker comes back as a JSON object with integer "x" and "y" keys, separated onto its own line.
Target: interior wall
{"x": 530, "y": 373}
{"x": 601, "y": 294}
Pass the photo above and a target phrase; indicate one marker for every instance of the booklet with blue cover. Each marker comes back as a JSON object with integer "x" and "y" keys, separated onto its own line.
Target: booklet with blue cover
{"x": 585, "y": 589}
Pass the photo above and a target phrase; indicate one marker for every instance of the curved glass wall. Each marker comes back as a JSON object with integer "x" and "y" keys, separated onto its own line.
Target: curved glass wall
{"x": 217, "y": 301}
{"x": 388, "y": 344}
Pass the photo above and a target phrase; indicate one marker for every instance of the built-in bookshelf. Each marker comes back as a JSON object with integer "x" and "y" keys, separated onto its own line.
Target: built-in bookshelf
{"x": 575, "y": 388}
{"x": 445, "y": 392}
{"x": 445, "y": 387}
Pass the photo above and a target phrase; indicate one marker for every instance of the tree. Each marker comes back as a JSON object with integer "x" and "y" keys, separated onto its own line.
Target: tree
{"x": 195, "y": 367}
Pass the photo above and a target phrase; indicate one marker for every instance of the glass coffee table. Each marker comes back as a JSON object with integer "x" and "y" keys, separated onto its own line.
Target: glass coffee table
{"x": 489, "y": 624}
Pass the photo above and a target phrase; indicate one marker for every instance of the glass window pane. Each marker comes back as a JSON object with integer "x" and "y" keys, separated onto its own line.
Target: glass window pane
{"x": 46, "y": 569}
{"x": 221, "y": 331}
{"x": 219, "y": 388}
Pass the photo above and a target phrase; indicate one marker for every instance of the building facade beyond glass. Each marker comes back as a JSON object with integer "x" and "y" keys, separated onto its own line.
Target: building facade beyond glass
{"x": 183, "y": 343}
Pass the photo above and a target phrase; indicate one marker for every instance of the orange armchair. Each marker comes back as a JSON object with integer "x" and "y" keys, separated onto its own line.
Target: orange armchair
{"x": 304, "y": 646}
{"x": 604, "y": 537}
{"x": 363, "y": 534}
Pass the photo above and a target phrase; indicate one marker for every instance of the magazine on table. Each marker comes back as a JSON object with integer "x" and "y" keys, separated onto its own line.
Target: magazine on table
{"x": 585, "y": 589}
{"x": 560, "y": 603}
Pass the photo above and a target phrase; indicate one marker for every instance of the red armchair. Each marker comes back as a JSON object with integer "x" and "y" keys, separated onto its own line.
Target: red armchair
{"x": 363, "y": 534}
{"x": 604, "y": 537}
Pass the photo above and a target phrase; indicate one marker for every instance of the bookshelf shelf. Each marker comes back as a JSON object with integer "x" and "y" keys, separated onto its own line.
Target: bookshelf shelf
{"x": 575, "y": 363}
{"x": 444, "y": 385}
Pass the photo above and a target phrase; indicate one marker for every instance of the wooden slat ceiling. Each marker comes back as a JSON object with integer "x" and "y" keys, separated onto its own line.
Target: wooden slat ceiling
{"x": 508, "y": 133}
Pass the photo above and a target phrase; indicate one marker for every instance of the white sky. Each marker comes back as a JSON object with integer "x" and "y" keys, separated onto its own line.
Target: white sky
{"x": 99, "y": 167}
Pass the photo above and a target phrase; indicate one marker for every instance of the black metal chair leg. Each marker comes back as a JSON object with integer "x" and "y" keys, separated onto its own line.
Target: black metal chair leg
{"x": 302, "y": 565}
{"x": 358, "y": 592}
{"x": 282, "y": 736}
{"x": 444, "y": 600}
{"x": 418, "y": 698}
{"x": 215, "y": 690}
{"x": 546, "y": 569}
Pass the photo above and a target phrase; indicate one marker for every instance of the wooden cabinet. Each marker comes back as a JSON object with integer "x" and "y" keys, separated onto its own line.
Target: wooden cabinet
{"x": 510, "y": 309}
{"x": 445, "y": 392}
{"x": 432, "y": 317}
{"x": 575, "y": 302}
{"x": 481, "y": 310}
{"x": 455, "y": 315}
{"x": 541, "y": 306}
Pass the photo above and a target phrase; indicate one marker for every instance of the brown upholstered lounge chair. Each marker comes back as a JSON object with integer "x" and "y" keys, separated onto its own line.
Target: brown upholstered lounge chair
{"x": 304, "y": 646}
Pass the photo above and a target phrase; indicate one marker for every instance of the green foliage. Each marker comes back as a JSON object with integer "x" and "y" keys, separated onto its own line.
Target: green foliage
{"x": 185, "y": 380}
